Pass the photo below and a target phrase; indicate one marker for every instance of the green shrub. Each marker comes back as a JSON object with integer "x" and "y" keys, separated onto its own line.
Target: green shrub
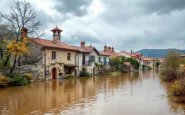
{"x": 11, "y": 75}
{"x": 28, "y": 76}
{"x": 2, "y": 62}
{"x": 18, "y": 81}
{"x": 70, "y": 77}
{"x": 133, "y": 62}
{"x": 84, "y": 73}
{"x": 97, "y": 64}
{"x": 4, "y": 81}
{"x": 115, "y": 73}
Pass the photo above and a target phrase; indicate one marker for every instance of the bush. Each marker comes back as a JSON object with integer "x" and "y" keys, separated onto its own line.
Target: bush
{"x": 133, "y": 62}
{"x": 18, "y": 81}
{"x": 2, "y": 62}
{"x": 4, "y": 81}
{"x": 178, "y": 88}
{"x": 11, "y": 75}
{"x": 115, "y": 73}
{"x": 28, "y": 76}
{"x": 115, "y": 62}
{"x": 169, "y": 74}
{"x": 172, "y": 60}
{"x": 70, "y": 77}
{"x": 84, "y": 73}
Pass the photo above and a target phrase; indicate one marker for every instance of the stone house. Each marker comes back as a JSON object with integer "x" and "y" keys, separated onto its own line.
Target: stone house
{"x": 110, "y": 50}
{"x": 56, "y": 59}
{"x": 128, "y": 66}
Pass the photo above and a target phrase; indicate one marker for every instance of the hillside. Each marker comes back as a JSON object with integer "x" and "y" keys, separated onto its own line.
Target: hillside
{"x": 157, "y": 52}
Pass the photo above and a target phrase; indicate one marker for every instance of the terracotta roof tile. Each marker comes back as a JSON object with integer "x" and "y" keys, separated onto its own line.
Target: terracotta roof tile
{"x": 104, "y": 53}
{"x": 87, "y": 48}
{"x": 146, "y": 59}
{"x": 161, "y": 60}
{"x": 57, "y": 29}
{"x": 127, "y": 63}
{"x": 62, "y": 45}
{"x": 182, "y": 55}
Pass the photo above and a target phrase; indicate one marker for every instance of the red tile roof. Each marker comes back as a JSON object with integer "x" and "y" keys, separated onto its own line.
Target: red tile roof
{"x": 57, "y": 29}
{"x": 182, "y": 55}
{"x": 135, "y": 55}
{"x": 87, "y": 48}
{"x": 104, "y": 53}
{"x": 161, "y": 60}
{"x": 127, "y": 63}
{"x": 146, "y": 59}
{"x": 62, "y": 45}
{"x": 112, "y": 54}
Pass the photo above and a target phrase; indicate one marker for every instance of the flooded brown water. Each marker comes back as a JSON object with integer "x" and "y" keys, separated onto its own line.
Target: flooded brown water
{"x": 140, "y": 93}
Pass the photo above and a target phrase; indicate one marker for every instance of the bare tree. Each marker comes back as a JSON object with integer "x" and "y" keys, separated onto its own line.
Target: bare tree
{"x": 21, "y": 15}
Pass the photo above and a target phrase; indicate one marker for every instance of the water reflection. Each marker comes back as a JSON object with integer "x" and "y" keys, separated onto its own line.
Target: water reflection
{"x": 129, "y": 93}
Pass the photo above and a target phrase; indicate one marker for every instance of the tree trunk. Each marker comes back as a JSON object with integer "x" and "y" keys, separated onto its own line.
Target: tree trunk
{"x": 1, "y": 53}
{"x": 15, "y": 60}
{"x": 7, "y": 58}
{"x": 19, "y": 63}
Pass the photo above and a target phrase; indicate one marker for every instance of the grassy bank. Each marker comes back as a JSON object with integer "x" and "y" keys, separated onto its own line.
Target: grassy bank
{"x": 114, "y": 73}
{"x": 9, "y": 79}
{"x": 173, "y": 73}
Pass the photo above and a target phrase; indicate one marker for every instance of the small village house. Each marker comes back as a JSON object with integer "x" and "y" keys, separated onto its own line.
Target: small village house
{"x": 56, "y": 59}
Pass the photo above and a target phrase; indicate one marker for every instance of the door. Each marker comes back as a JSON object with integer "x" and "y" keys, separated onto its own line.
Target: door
{"x": 105, "y": 61}
{"x": 54, "y": 73}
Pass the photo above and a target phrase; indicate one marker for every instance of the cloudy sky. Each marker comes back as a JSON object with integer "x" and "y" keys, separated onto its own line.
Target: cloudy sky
{"x": 124, "y": 24}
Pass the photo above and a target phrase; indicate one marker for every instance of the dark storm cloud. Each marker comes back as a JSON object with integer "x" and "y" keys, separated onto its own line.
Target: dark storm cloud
{"x": 162, "y": 6}
{"x": 77, "y": 38}
{"x": 124, "y": 24}
{"x": 76, "y": 7}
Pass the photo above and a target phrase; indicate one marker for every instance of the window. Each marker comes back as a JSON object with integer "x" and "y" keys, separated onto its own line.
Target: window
{"x": 53, "y": 55}
{"x": 99, "y": 59}
{"x": 92, "y": 58}
{"x": 68, "y": 56}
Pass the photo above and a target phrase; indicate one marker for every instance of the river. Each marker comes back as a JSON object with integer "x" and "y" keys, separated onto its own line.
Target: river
{"x": 136, "y": 93}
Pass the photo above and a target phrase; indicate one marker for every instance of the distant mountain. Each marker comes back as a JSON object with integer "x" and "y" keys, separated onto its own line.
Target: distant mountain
{"x": 157, "y": 52}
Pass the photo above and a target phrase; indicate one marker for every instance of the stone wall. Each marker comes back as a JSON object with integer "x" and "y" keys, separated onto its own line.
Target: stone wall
{"x": 36, "y": 70}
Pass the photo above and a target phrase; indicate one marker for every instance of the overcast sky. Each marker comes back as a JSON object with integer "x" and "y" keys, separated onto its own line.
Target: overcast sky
{"x": 124, "y": 24}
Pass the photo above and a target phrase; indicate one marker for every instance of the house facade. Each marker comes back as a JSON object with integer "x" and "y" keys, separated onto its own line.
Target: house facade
{"x": 93, "y": 57}
{"x": 58, "y": 59}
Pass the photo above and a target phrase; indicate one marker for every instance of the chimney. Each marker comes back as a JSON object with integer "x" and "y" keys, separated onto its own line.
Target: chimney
{"x": 82, "y": 44}
{"x": 112, "y": 49}
{"x": 24, "y": 32}
{"x": 105, "y": 48}
{"x": 109, "y": 49}
{"x": 56, "y": 35}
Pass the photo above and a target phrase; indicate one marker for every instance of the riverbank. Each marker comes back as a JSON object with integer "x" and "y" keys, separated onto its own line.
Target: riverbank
{"x": 173, "y": 73}
{"x": 10, "y": 79}
{"x": 105, "y": 95}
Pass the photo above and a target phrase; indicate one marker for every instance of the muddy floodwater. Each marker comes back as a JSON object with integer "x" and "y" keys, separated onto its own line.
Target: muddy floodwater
{"x": 137, "y": 93}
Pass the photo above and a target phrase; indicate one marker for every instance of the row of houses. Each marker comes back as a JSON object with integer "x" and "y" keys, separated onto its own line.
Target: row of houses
{"x": 58, "y": 58}
{"x": 145, "y": 63}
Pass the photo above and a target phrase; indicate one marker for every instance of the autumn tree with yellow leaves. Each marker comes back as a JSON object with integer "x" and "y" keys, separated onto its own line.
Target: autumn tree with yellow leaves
{"x": 21, "y": 15}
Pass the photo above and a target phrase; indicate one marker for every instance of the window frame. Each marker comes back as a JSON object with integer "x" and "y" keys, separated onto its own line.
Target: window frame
{"x": 68, "y": 56}
{"x": 53, "y": 55}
